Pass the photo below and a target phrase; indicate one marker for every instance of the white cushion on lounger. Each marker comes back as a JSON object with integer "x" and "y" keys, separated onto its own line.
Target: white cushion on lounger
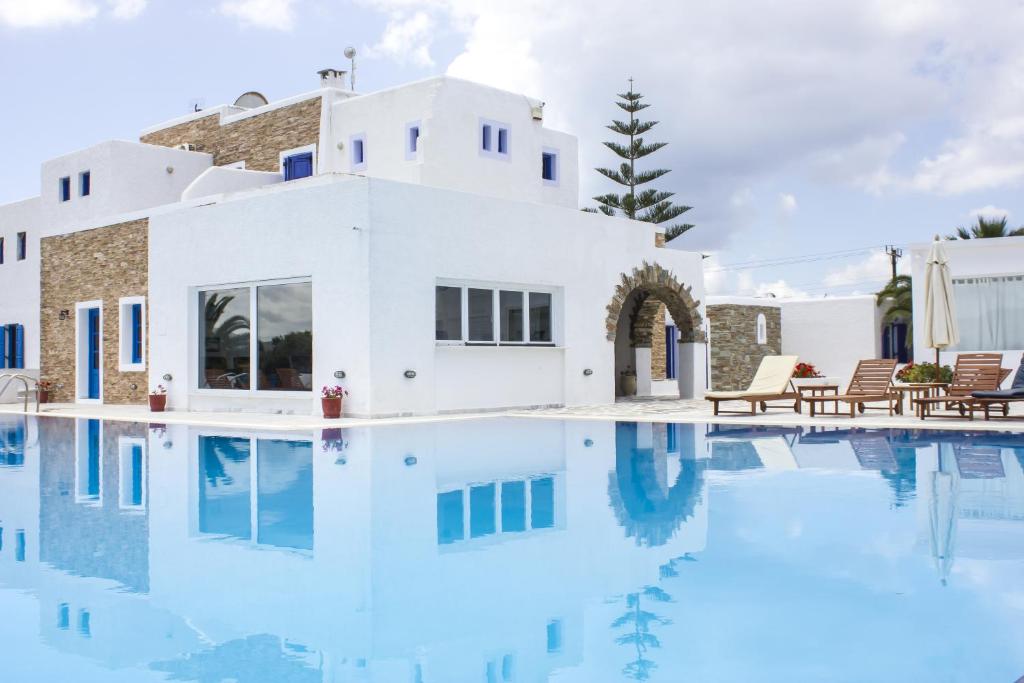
{"x": 772, "y": 378}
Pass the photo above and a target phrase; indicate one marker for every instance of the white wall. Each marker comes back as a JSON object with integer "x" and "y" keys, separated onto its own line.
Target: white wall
{"x": 375, "y": 250}
{"x": 832, "y": 333}
{"x": 992, "y": 256}
{"x": 125, "y": 177}
{"x": 449, "y": 111}
{"x": 19, "y": 280}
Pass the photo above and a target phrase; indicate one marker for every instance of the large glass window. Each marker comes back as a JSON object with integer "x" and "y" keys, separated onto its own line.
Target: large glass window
{"x": 511, "y": 305}
{"x": 284, "y": 320}
{"x": 448, "y": 313}
{"x": 481, "y": 315}
{"x": 988, "y": 310}
{"x": 224, "y": 347}
{"x": 273, "y": 321}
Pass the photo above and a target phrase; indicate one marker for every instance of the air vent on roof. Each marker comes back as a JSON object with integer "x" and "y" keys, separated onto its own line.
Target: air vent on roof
{"x": 250, "y": 100}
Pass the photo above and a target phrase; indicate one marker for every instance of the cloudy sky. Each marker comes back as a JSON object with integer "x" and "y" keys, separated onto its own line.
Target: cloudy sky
{"x": 805, "y": 134}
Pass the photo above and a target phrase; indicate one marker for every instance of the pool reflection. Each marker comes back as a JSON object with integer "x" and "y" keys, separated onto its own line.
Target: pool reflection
{"x": 497, "y": 550}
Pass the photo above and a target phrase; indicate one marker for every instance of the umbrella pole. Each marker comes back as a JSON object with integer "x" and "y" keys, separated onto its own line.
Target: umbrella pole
{"x": 938, "y": 370}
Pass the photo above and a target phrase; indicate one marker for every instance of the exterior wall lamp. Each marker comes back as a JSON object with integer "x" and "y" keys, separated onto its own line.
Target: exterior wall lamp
{"x": 587, "y": 372}
{"x": 339, "y": 374}
{"x": 410, "y": 460}
{"x": 409, "y": 374}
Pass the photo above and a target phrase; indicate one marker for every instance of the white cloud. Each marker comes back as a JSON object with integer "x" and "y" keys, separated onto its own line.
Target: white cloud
{"x": 127, "y": 9}
{"x": 780, "y": 289}
{"x": 868, "y": 274}
{"x": 45, "y": 13}
{"x": 988, "y": 211}
{"x": 272, "y": 14}
{"x": 406, "y": 39}
{"x": 787, "y": 203}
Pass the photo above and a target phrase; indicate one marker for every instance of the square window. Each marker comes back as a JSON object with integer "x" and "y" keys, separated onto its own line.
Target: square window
{"x": 22, "y": 246}
{"x": 84, "y": 183}
{"x": 549, "y": 167}
{"x": 511, "y": 310}
{"x": 448, "y": 313}
{"x": 298, "y": 166}
{"x": 65, "y": 188}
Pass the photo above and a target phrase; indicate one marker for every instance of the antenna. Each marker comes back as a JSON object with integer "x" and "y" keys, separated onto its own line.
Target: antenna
{"x": 350, "y": 54}
{"x": 197, "y": 104}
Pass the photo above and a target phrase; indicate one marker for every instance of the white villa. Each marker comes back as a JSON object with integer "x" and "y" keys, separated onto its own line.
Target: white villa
{"x": 421, "y": 246}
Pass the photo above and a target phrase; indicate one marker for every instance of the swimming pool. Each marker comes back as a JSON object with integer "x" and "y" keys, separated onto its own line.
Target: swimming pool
{"x": 501, "y": 550}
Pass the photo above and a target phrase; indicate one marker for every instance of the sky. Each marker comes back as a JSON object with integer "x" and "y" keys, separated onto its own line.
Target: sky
{"x": 806, "y": 135}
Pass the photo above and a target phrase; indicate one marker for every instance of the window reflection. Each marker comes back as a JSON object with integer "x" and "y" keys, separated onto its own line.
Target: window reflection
{"x": 224, "y": 350}
{"x": 285, "y": 493}
{"x": 540, "y": 317}
{"x": 449, "y": 517}
{"x": 448, "y": 313}
{"x": 481, "y": 311}
{"x": 511, "y": 304}
{"x": 285, "y": 327}
{"x": 224, "y": 484}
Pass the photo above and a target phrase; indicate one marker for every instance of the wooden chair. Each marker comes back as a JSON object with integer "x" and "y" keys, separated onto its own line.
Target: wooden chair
{"x": 985, "y": 400}
{"x": 773, "y": 381}
{"x": 973, "y": 372}
{"x": 871, "y": 383}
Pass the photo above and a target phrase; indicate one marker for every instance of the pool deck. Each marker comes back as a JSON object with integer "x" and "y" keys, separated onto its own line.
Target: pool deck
{"x": 637, "y": 410}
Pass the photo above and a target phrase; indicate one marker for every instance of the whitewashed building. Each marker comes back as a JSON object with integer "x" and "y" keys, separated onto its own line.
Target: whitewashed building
{"x": 422, "y": 246}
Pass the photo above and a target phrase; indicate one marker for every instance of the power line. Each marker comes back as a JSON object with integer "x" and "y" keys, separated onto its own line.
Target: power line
{"x": 790, "y": 260}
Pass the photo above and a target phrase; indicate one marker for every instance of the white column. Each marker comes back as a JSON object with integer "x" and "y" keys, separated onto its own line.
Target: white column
{"x": 643, "y": 371}
{"x": 692, "y": 376}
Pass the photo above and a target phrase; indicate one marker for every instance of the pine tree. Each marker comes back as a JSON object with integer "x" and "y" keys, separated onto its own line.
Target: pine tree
{"x": 649, "y": 205}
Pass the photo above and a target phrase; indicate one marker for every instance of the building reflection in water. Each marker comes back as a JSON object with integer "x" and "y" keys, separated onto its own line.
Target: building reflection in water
{"x": 485, "y": 550}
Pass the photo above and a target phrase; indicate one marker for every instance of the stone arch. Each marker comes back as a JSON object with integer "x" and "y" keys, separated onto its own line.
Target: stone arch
{"x": 640, "y": 294}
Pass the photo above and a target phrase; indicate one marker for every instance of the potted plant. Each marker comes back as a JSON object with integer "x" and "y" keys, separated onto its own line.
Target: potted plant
{"x": 627, "y": 381}
{"x": 330, "y": 401}
{"x": 917, "y": 373}
{"x": 43, "y": 388}
{"x": 806, "y": 375}
{"x": 158, "y": 399}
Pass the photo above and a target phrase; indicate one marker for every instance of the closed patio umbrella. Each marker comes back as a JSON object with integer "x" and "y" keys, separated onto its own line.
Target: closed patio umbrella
{"x": 940, "y": 324}
{"x": 942, "y": 517}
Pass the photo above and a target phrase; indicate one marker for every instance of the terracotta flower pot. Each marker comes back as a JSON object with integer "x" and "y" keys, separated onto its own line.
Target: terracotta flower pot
{"x": 44, "y": 395}
{"x": 331, "y": 407}
{"x": 157, "y": 402}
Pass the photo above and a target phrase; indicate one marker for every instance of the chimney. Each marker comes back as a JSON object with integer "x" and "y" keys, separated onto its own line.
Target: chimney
{"x": 332, "y": 78}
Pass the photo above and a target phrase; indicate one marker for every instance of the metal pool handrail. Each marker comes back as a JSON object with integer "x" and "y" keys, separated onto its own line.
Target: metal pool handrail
{"x": 25, "y": 379}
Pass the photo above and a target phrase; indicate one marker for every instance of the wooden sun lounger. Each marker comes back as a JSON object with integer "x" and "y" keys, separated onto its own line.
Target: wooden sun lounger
{"x": 871, "y": 383}
{"x": 985, "y": 400}
{"x": 973, "y": 372}
{"x": 773, "y": 381}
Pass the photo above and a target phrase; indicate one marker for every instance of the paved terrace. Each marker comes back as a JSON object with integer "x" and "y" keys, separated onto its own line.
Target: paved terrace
{"x": 634, "y": 410}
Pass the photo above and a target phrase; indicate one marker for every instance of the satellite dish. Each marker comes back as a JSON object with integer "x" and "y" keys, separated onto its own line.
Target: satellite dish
{"x": 250, "y": 100}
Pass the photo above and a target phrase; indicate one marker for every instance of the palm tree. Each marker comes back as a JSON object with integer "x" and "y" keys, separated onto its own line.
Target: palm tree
{"x": 898, "y": 295}
{"x": 986, "y": 227}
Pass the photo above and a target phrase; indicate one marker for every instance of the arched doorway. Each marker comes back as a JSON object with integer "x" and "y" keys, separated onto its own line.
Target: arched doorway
{"x": 643, "y": 302}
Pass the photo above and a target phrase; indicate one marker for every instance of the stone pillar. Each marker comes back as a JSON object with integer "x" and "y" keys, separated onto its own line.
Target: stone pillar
{"x": 692, "y": 369}
{"x": 642, "y": 354}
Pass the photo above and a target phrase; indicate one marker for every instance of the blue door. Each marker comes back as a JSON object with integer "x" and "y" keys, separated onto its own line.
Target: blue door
{"x": 93, "y": 353}
{"x": 671, "y": 339}
{"x": 298, "y": 166}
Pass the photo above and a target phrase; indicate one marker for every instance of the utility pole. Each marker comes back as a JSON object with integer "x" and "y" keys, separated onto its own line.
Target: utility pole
{"x": 895, "y": 254}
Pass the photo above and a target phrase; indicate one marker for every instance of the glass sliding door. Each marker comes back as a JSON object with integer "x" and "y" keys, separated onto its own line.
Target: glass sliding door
{"x": 224, "y": 355}
{"x": 284, "y": 320}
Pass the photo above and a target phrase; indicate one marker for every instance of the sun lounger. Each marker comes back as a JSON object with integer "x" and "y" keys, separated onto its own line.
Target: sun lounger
{"x": 986, "y": 399}
{"x": 973, "y": 372}
{"x": 871, "y": 383}
{"x": 772, "y": 382}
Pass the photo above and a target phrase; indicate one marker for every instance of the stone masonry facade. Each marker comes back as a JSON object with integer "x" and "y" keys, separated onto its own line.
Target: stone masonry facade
{"x": 102, "y": 264}
{"x": 735, "y": 353}
{"x": 256, "y": 140}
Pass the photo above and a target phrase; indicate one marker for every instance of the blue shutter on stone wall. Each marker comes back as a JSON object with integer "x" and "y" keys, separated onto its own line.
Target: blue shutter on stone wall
{"x": 136, "y": 333}
{"x": 298, "y": 166}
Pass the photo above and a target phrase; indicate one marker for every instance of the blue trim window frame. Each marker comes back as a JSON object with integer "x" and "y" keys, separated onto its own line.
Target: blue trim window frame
{"x": 12, "y": 346}
{"x": 84, "y": 184}
{"x": 132, "y": 337}
{"x": 296, "y": 163}
{"x": 64, "y": 188}
{"x": 131, "y": 480}
{"x": 412, "y": 141}
{"x": 357, "y": 152}
{"x": 495, "y": 139}
{"x": 550, "y": 172}
{"x": 22, "y": 246}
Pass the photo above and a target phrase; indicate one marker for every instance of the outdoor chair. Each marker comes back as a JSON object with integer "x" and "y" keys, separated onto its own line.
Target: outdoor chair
{"x": 986, "y": 399}
{"x": 871, "y": 383}
{"x": 973, "y": 372}
{"x": 772, "y": 382}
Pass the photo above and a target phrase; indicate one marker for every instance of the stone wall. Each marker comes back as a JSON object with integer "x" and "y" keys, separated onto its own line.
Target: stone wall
{"x": 256, "y": 140}
{"x": 735, "y": 353}
{"x": 659, "y": 361}
{"x": 101, "y": 264}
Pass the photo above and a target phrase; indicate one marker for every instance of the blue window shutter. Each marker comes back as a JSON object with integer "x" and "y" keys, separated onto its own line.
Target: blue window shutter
{"x": 19, "y": 346}
{"x": 298, "y": 166}
{"x": 136, "y": 333}
{"x": 3, "y": 346}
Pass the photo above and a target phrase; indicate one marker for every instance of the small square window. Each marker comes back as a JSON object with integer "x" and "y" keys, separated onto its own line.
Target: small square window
{"x": 358, "y": 152}
{"x": 84, "y": 183}
{"x": 65, "y": 188}
{"x": 549, "y": 167}
{"x": 22, "y": 246}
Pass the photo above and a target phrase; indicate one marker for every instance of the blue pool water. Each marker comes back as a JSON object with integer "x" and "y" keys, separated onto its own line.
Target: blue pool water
{"x": 496, "y": 551}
